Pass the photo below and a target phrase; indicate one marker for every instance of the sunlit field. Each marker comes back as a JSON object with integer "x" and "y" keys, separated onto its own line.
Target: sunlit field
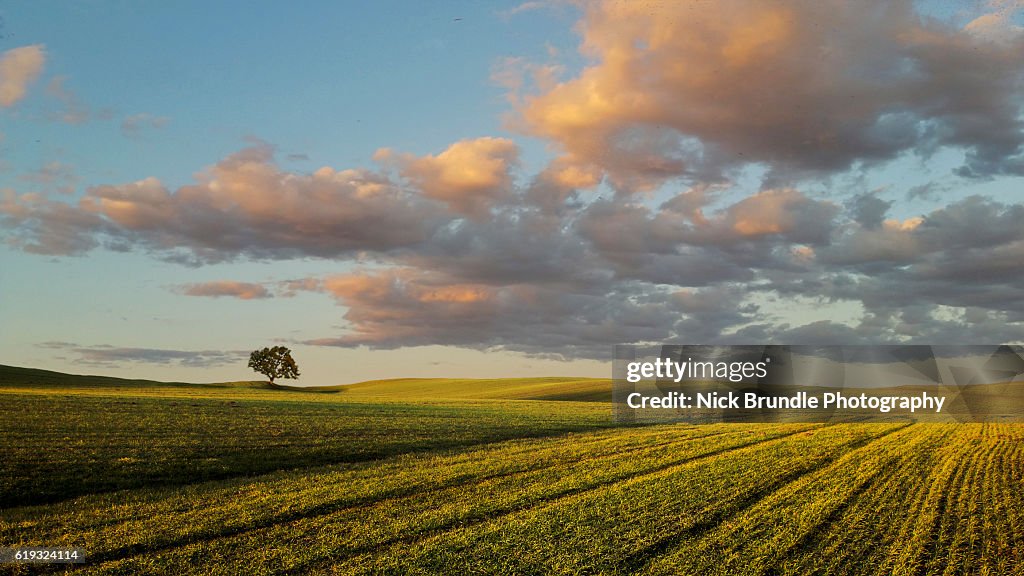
{"x": 468, "y": 477}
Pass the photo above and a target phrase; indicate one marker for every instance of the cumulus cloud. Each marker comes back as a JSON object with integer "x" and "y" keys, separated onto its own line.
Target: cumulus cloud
{"x": 951, "y": 275}
{"x": 19, "y": 67}
{"x": 39, "y": 225}
{"x": 686, "y": 244}
{"x": 412, "y": 306}
{"x": 679, "y": 105}
{"x": 242, "y": 290}
{"x": 971, "y": 232}
{"x": 997, "y": 25}
{"x": 515, "y": 246}
{"x": 677, "y": 89}
{"x": 661, "y": 277}
{"x": 470, "y": 176}
{"x": 408, "y": 307}
{"x": 691, "y": 269}
{"x": 869, "y": 210}
{"x": 242, "y": 206}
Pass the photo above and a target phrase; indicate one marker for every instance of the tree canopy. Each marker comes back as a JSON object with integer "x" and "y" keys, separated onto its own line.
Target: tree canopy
{"x": 275, "y": 362}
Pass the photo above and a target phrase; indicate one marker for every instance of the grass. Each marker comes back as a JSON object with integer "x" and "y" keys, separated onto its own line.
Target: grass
{"x": 561, "y": 389}
{"x": 93, "y": 437}
{"x": 456, "y": 476}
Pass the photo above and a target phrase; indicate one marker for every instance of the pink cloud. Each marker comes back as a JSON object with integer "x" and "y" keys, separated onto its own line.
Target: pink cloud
{"x": 19, "y": 67}
{"x": 470, "y": 176}
{"x": 243, "y": 205}
{"x": 242, "y": 290}
{"x": 804, "y": 87}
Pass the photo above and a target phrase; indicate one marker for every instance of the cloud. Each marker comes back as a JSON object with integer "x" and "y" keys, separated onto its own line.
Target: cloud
{"x": 289, "y": 288}
{"x": 574, "y": 282}
{"x": 411, "y": 305}
{"x": 869, "y": 210}
{"x": 55, "y": 176}
{"x": 514, "y": 246}
{"x": 556, "y": 188}
{"x": 524, "y": 7}
{"x": 633, "y": 275}
{"x": 242, "y": 290}
{"x": 785, "y": 212}
{"x": 951, "y": 275}
{"x": 106, "y": 355}
{"x": 471, "y": 176}
{"x": 74, "y": 111}
{"x": 970, "y": 232}
{"x": 19, "y": 67}
{"x": 242, "y": 206}
{"x": 929, "y": 190}
{"x": 50, "y": 227}
{"x": 134, "y": 125}
{"x": 408, "y": 307}
{"x": 997, "y": 25}
{"x": 723, "y": 129}
{"x": 677, "y": 90}
{"x": 685, "y": 240}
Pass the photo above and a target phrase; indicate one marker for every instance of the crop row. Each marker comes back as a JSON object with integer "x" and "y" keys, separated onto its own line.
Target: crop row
{"x": 617, "y": 528}
{"x": 58, "y": 447}
{"x": 201, "y": 509}
{"x": 375, "y": 506}
{"x": 712, "y": 499}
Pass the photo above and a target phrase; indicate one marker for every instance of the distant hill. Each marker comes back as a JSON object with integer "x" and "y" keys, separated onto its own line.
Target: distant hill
{"x": 17, "y": 376}
{"x": 550, "y": 388}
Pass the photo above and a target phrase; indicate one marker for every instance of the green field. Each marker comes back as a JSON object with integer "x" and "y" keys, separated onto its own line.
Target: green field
{"x": 526, "y": 476}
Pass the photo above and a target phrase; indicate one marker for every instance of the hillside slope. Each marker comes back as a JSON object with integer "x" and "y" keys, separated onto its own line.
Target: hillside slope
{"x": 18, "y": 376}
{"x": 550, "y": 388}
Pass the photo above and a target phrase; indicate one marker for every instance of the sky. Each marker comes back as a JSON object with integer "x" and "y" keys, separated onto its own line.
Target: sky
{"x": 464, "y": 189}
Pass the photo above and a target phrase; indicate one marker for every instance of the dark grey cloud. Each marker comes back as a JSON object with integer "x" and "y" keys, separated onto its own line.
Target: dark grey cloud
{"x": 869, "y": 210}
{"x": 104, "y": 355}
{"x": 410, "y": 308}
{"x": 929, "y": 190}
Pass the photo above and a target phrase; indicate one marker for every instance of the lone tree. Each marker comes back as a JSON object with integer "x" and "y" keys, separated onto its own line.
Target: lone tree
{"x": 276, "y": 362}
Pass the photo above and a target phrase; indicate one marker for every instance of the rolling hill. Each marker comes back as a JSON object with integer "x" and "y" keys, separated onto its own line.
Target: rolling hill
{"x": 442, "y": 476}
{"x": 550, "y": 388}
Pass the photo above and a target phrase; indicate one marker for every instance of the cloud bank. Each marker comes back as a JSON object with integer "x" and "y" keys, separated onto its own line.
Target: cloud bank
{"x": 804, "y": 87}
{"x": 678, "y": 100}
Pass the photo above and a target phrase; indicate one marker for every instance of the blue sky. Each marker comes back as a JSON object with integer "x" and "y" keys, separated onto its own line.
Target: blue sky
{"x": 470, "y": 189}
